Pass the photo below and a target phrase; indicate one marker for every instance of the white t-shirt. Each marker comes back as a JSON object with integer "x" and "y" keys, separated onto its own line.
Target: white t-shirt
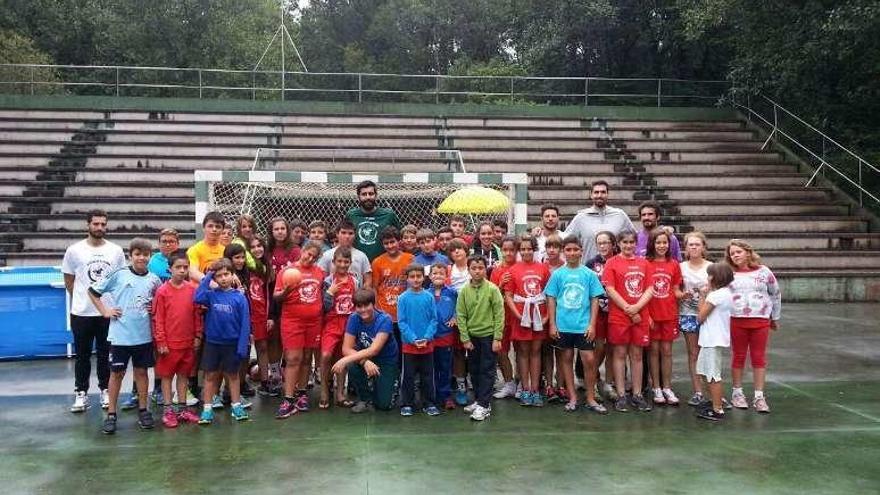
{"x": 458, "y": 277}
{"x": 715, "y": 331}
{"x": 694, "y": 280}
{"x": 89, "y": 264}
{"x": 360, "y": 264}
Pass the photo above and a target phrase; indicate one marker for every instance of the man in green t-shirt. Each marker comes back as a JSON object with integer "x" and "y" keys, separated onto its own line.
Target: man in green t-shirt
{"x": 369, "y": 220}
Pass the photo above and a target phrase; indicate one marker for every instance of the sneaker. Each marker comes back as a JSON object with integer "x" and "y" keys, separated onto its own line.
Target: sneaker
{"x": 286, "y": 409}
{"x": 571, "y": 406}
{"x": 537, "y": 400}
{"x": 187, "y": 416}
{"x": 130, "y": 403}
{"x": 105, "y": 399}
{"x": 471, "y": 407}
{"x": 406, "y": 411}
{"x": 620, "y": 405}
{"x": 738, "y": 399}
{"x": 169, "y": 419}
{"x": 207, "y": 417}
{"x": 157, "y": 397}
{"x": 247, "y": 390}
{"x": 696, "y": 399}
{"x": 449, "y": 404}
{"x": 761, "y": 406}
{"x": 238, "y": 413}
{"x": 710, "y": 414}
{"x": 302, "y": 403}
{"x": 245, "y": 404}
{"x": 461, "y": 397}
{"x": 640, "y": 403}
{"x": 145, "y": 420}
{"x": 659, "y": 399}
{"x": 563, "y": 395}
{"x": 361, "y": 407}
{"x": 109, "y": 426}
{"x": 525, "y": 398}
{"x": 726, "y": 405}
{"x": 518, "y": 394}
{"x": 506, "y": 390}
{"x": 670, "y": 396}
{"x": 480, "y": 413}
{"x": 432, "y": 411}
{"x": 267, "y": 391}
{"x": 80, "y": 403}
{"x": 551, "y": 394}
{"x": 596, "y": 408}
{"x": 216, "y": 402}
{"x": 610, "y": 392}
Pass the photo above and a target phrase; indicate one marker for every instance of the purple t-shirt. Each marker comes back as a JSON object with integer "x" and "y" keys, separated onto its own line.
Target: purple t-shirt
{"x": 642, "y": 245}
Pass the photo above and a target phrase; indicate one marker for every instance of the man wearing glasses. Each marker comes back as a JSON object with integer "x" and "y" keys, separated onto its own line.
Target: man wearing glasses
{"x": 169, "y": 241}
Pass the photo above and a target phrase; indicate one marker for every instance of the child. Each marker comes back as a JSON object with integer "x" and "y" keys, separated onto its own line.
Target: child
{"x": 447, "y": 335}
{"x": 360, "y": 263}
{"x": 208, "y": 250}
{"x": 298, "y": 231}
{"x": 444, "y": 236}
{"x": 524, "y": 294}
{"x": 339, "y": 289}
{"x": 302, "y": 307}
{"x": 409, "y": 239}
{"x": 606, "y": 244}
{"x": 389, "y": 274}
{"x": 551, "y": 257}
{"x": 480, "y": 316}
{"x": 261, "y": 323}
{"x": 695, "y": 280}
{"x": 570, "y": 291}
{"x": 715, "y": 311}
{"x": 458, "y": 275}
{"x": 132, "y": 289}
{"x": 500, "y": 277}
{"x": 283, "y": 251}
{"x": 159, "y": 265}
{"x": 370, "y": 352}
{"x": 236, "y": 253}
{"x": 484, "y": 245}
{"x": 428, "y": 254}
{"x": 553, "y": 252}
{"x": 227, "y": 337}
{"x": 418, "y": 325}
{"x": 500, "y": 229}
{"x": 457, "y": 224}
{"x": 177, "y": 331}
{"x": 226, "y": 235}
{"x": 663, "y": 309}
{"x": 627, "y": 282}
{"x": 318, "y": 233}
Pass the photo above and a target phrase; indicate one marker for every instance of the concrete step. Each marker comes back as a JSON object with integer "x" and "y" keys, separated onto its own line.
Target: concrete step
{"x": 570, "y": 207}
{"x": 123, "y": 222}
{"x": 742, "y": 226}
{"x": 671, "y": 180}
{"x": 800, "y": 241}
{"x": 851, "y": 261}
{"x": 682, "y": 194}
{"x": 453, "y": 122}
{"x": 19, "y": 162}
{"x": 139, "y": 189}
{"x": 610, "y": 167}
{"x": 623, "y": 146}
{"x": 18, "y": 174}
{"x": 116, "y": 205}
{"x": 519, "y": 153}
{"x": 50, "y": 114}
{"x": 59, "y": 241}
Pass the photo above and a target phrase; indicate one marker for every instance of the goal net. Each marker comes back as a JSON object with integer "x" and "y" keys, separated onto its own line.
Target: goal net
{"x": 327, "y": 196}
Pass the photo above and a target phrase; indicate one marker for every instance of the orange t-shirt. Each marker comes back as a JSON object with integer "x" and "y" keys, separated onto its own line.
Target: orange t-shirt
{"x": 389, "y": 281}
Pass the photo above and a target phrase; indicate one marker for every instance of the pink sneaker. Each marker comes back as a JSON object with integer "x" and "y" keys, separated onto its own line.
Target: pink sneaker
{"x": 188, "y": 416}
{"x": 169, "y": 419}
{"x": 302, "y": 403}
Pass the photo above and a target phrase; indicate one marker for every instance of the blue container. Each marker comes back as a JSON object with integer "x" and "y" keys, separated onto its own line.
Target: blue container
{"x": 33, "y": 313}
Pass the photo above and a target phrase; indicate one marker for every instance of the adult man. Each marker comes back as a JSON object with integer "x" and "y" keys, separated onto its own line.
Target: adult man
{"x": 649, "y": 214}
{"x": 369, "y": 220}
{"x": 549, "y": 226}
{"x": 590, "y": 221}
{"x": 85, "y": 263}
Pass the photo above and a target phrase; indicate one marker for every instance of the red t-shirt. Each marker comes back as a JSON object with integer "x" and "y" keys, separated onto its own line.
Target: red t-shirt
{"x": 282, "y": 258}
{"x": 259, "y": 299}
{"x": 665, "y": 277}
{"x": 306, "y": 300}
{"x": 495, "y": 278}
{"x": 528, "y": 279}
{"x": 343, "y": 300}
{"x": 630, "y": 278}
{"x": 176, "y": 320}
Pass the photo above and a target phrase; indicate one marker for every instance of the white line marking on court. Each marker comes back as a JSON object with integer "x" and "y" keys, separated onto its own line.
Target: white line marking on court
{"x": 835, "y": 404}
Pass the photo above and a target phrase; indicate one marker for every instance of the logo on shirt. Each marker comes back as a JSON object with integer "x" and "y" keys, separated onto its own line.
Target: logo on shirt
{"x": 572, "y": 296}
{"x": 531, "y": 285}
{"x": 662, "y": 284}
{"x": 344, "y": 305}
{"x": 632, "y": 283}
{"x": 97, "y": 269}
{"x": 308, "y": 291}
{"x": 368, "y": 232}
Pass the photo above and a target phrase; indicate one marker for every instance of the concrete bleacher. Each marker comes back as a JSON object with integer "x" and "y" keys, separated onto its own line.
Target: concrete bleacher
{"x": 709, "y": 175}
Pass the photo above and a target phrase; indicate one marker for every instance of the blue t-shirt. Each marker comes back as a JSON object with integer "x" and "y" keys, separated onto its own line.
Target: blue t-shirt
{"x": 365, "y": 333}
{"x": 133, "y": 294}
{"x": 573, "y": 288}
{"x": 158, "y": 266}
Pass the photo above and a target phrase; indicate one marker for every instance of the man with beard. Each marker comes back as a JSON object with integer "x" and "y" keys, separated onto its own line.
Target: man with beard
{"x": 549, "y": 226}
{"x": 649, "y": 214}
{"x": 370, "y": 220}
{"x": 590, "y": 221}
{"x": 85, "y": 263}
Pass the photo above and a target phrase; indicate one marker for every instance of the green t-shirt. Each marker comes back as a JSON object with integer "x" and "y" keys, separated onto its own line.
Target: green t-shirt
{"x": 368, "y": 229}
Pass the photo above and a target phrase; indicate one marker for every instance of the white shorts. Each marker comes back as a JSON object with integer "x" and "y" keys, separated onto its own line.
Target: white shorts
{"x": 709, "y": 363}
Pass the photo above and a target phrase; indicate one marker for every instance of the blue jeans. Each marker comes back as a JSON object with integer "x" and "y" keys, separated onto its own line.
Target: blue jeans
{"x": 443, "y": 373}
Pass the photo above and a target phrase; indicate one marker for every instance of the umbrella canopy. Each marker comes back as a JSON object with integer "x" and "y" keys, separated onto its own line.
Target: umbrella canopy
{"x": 475, "y": 200}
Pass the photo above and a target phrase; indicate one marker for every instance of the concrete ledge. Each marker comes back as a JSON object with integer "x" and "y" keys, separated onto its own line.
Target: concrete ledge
{"x": 830, "y": 287}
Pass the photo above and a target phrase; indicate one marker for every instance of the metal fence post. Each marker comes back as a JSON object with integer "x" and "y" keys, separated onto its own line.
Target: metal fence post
{"x": 117, "y": 81}
{"x": 659, "y": 90}
{"x": 253, "y": 85}
{"x": 360, "y": 87}
{"x": 511, "y": 90}
{"x": 861, "y": 189}
{"x": 586, "y": 91}
{"x": 436, "y": 90}
{"x": 200, "y": 84}
{"x": 33, "y": 78}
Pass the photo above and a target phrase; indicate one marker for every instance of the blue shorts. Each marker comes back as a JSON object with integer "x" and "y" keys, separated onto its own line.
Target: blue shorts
{"x": 141, "y": 356}
{"x": 574, "y": 341}
{"x": 219, "y": 357}
{"x": 688, "y": 324}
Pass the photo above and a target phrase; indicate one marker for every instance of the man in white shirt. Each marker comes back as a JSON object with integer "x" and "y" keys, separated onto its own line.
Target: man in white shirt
{"x": 590, "y": 221}
{"x": 85, "y": 263}
{"x": 549, "y": 226}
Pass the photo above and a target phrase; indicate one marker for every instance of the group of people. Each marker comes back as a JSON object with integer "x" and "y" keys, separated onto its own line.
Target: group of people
{"x": 387, "y": 314}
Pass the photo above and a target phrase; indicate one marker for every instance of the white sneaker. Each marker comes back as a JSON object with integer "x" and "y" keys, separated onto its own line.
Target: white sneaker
{"x": 670, "y": 396}
{"x": 518, "y": 392}
{"x": 191, "y": 400}
{"x": 471, "y": 407}
{"x": 105, "y": 399}
{"x": 80, "y": 403}
{"x": 480, "y": 413}
{"x": 507, "y": 390}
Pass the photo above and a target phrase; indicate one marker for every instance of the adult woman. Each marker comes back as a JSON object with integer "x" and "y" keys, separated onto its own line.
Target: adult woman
{"x": 757, "y": 304}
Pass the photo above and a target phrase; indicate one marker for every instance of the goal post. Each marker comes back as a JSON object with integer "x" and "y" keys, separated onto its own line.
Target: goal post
{"x": 308, "y": 196}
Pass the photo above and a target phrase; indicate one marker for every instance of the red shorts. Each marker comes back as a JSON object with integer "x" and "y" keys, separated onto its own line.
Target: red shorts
{"x": 301, "y": 333}
{"x": 628, "y": 334}
{"x": 177, "y": 361}
{"x": 602, "y": 326}
{"x": 665, "y": 331}
{"x": 334, "y": 331}
{"x": 505, "y": 339}
{"x": 520, "y": 333}
{"x": 259, "y": 330}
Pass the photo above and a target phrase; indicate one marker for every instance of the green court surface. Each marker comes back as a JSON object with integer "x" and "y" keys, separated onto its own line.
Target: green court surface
{"x": 823, "y": 436}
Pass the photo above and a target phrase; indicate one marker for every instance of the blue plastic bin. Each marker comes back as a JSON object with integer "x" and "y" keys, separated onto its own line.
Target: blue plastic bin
{"x": 33, "y": 313}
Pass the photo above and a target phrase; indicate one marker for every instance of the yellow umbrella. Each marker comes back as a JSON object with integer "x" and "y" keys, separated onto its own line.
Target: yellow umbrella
{"x": 475, "y": 200}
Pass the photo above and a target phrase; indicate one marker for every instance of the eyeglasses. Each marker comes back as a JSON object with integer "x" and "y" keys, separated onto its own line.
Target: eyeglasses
{"x": 169, "y": 241}
{"x": 603, "y": 243}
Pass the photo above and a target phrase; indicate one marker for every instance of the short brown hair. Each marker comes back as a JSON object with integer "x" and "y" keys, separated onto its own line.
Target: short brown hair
{"x": 220, "y": 265}
{"x": 140, "y": 244}
{"x": 553, "y": 240}
{"x": 423, "y": 234}
{"x": 169, "y": 232}
{"x": 364, "y": 296}
{"x": 721, "y": 273}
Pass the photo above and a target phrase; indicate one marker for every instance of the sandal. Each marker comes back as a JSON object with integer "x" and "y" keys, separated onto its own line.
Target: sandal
{"x": 571, "y": 406}
{"x": 323, "y": 404}
{"x": 596, "y": 408}
{"x": 344, "y": 403}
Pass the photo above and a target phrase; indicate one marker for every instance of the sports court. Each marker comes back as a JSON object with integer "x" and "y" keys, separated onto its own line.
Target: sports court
{"x": 823, "y": 436}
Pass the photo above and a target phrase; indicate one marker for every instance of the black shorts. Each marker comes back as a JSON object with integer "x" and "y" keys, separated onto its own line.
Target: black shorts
{"x": 141, "y": 356}
{"x": 220, "y": 357}
{"x": 574, "y": 341}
